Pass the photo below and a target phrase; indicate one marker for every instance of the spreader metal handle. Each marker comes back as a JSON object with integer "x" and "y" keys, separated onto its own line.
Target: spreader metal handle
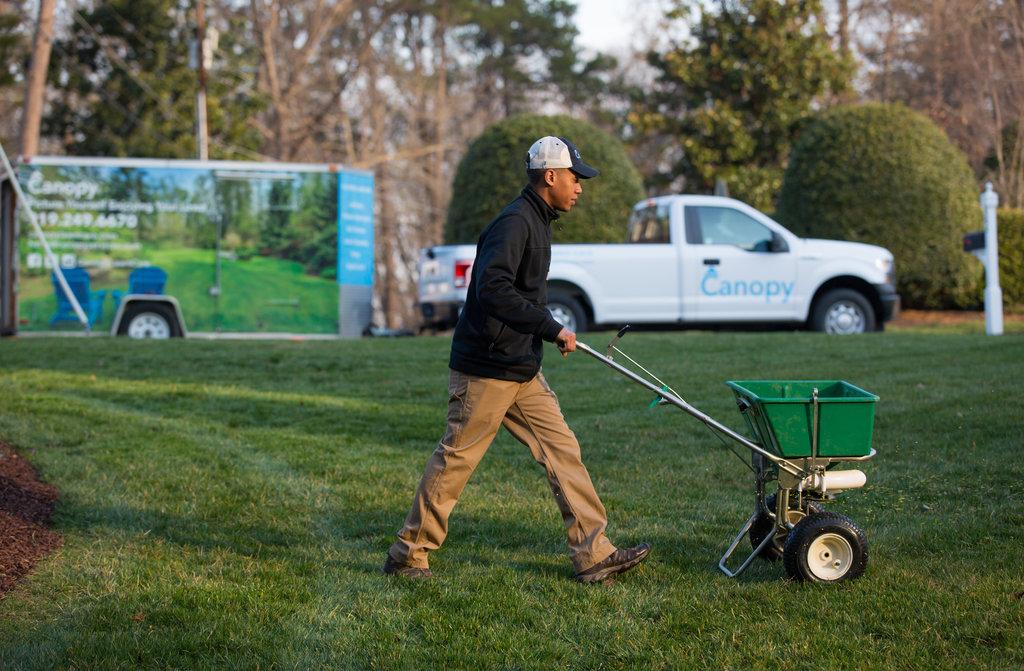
{"x": 689, "y": 409}
{"x": 617, "y": 338}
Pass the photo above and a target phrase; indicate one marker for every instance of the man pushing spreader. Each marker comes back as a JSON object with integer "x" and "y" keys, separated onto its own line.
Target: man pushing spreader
{"x": 496, "y": 379}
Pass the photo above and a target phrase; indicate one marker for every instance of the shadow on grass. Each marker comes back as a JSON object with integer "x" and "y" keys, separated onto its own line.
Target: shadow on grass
{"x": 254, "y": 540}
{"x": 355, "y": 540}
{"x": 352, "y": 416}
{"x": 493, "y": 542}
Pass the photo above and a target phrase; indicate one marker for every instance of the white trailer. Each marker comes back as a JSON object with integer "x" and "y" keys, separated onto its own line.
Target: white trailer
{"x": 242, "y": 247}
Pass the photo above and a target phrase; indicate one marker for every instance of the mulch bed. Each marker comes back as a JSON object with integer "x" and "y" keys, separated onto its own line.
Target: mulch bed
{"x": 26, "y": 505}
{"x": 943, "y": 317}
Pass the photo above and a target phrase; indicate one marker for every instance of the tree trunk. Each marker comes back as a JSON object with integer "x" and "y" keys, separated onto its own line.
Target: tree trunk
{"x": 390, "y": 295}
{"x": 844, "y": 27}
{"x": 888, "y": 56}
{"x": 267, "y": 24}
{"x": 36, "y": 86}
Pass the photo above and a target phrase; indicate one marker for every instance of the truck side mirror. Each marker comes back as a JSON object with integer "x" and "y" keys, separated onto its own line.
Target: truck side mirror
{"x": 778, "y": 243}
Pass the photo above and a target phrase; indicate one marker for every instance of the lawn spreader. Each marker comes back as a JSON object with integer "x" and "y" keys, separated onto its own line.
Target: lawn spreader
{"x": 801, "y": 430}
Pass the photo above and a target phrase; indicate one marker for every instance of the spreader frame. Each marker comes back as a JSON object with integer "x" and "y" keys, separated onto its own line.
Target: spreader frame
{"x": 802, "y": 477}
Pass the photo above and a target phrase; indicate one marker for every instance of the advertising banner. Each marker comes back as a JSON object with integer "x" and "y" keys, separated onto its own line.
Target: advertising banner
{"x": 244, "y": 247}
{"x": 355, "y": 229}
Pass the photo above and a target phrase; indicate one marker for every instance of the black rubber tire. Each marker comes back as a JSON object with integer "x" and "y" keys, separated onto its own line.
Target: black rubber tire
{"x": 836, "y": 297}
{"x": 163, "y": 310}
{"x": 561, "y": 299}
{"x": 763, "y": 525}
{"x": 810, "y": 528}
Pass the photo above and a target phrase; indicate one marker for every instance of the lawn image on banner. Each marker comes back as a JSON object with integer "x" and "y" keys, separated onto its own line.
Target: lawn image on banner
{"x": 245, "y": 246}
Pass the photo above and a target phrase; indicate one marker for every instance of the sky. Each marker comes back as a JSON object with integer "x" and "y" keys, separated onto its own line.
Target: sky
{"x": 611, "y": 25}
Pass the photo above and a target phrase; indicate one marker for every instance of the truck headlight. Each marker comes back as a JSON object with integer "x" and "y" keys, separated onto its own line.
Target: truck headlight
{"x": 888, "y": 267}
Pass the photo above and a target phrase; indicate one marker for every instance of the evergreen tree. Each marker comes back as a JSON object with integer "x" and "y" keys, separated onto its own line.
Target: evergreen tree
{"x": 525, "y": 49}
{"x": 12, "y": 43}
{"x": 301, "y": 223}
{"x": 126, "y": 87}
{"x": 275, "y": 236}
{"x": 316, "y": 225}
{"x": 730, "y": 102}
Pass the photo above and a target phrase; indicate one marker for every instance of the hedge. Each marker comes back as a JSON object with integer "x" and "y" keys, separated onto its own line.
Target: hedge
{"x": 886, "y": 175}
{"x": 1011, "y": 256}
{"x": 493, "y": 172}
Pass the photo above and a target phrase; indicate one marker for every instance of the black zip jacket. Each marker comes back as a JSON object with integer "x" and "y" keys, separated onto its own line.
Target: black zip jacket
{"x": 500, "y": 331}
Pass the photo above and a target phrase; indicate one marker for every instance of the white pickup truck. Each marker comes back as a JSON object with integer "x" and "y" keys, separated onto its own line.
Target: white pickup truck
{"x": 692, "y": 260}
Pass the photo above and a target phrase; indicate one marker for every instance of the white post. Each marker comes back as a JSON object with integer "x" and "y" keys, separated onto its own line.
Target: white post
{"x": 202, "y": 132}
{"x": 993, "y": 292}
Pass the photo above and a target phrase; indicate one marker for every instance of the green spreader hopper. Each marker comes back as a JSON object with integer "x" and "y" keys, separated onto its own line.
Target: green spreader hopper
{"x": 781, "y": 416}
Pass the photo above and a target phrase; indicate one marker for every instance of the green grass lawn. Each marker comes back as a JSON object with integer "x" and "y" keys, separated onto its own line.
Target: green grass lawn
{"x": 228, "y": 505}
{"x": 257, "y": 294}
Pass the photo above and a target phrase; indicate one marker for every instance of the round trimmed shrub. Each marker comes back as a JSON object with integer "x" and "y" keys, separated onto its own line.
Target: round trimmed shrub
{"x": 886, "y": 175}
{"x": 493, "y": 172}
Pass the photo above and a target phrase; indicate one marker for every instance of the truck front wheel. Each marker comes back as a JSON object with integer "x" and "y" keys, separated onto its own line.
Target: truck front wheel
{"x": 567, "y": 311}
{"x": 843, "y": 312}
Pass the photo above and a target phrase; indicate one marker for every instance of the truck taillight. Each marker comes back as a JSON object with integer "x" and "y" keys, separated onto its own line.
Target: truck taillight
{"x": 462, "y": 273}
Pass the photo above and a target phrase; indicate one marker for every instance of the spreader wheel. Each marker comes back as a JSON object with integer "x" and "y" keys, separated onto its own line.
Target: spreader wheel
{"x": 764, "y": 525}
{"x": 825, "y": 547}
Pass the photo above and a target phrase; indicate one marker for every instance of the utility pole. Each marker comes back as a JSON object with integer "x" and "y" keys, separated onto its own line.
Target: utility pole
{"x": 202, "y": 134}
{"x": 439, "y": 184}
{"x": 36, "y": 86}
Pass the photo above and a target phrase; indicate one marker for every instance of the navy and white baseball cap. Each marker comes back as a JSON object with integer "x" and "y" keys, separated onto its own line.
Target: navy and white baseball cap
{"x": 558, "y": 152}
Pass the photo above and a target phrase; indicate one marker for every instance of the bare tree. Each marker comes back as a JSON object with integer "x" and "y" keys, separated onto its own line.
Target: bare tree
{"x": 961, "y": 62}
{"x": 36, "y": 85}
{"x": 392, "y": 86}
{"x": 15, "y": 29}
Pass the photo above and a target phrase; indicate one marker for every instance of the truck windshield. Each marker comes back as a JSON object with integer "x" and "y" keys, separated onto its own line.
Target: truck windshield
{"x": 649, "y": 224}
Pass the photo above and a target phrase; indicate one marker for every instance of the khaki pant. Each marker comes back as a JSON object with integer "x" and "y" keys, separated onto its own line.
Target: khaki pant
{"x": 477, "y": 407}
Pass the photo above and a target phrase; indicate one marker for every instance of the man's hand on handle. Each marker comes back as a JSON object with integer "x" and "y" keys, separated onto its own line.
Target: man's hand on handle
{"x": 566, "y": 341}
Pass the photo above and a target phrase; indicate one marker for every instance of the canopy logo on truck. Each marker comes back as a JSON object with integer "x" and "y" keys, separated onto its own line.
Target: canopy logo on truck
{"x": 713, "y": 285}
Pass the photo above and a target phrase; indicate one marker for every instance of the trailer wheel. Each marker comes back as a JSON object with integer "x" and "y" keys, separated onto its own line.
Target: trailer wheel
{"x": 825, "y": 547}
{"x": 764, "y": 525}
{"x": 149, "y": 320}
{"x": 567, "y": 311}
{"x": 843, "y": 312}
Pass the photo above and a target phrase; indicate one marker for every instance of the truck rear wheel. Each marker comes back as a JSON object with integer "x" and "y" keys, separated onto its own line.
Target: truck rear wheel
{"x": 567, "y": 311}
{"x": 843, "y": 312}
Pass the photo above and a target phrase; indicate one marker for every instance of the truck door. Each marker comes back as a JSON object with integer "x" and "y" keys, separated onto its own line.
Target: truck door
{"x": 736, "y": 268}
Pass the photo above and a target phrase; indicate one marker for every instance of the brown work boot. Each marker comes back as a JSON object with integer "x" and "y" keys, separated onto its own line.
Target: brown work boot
{"x": 617, "y": 562}
{"x": 391, "y": 567}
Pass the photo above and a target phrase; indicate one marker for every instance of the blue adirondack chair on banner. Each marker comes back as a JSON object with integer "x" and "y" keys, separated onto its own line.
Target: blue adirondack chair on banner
{"x": 80, "y": 283}
{"x": 144, "y": 280}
